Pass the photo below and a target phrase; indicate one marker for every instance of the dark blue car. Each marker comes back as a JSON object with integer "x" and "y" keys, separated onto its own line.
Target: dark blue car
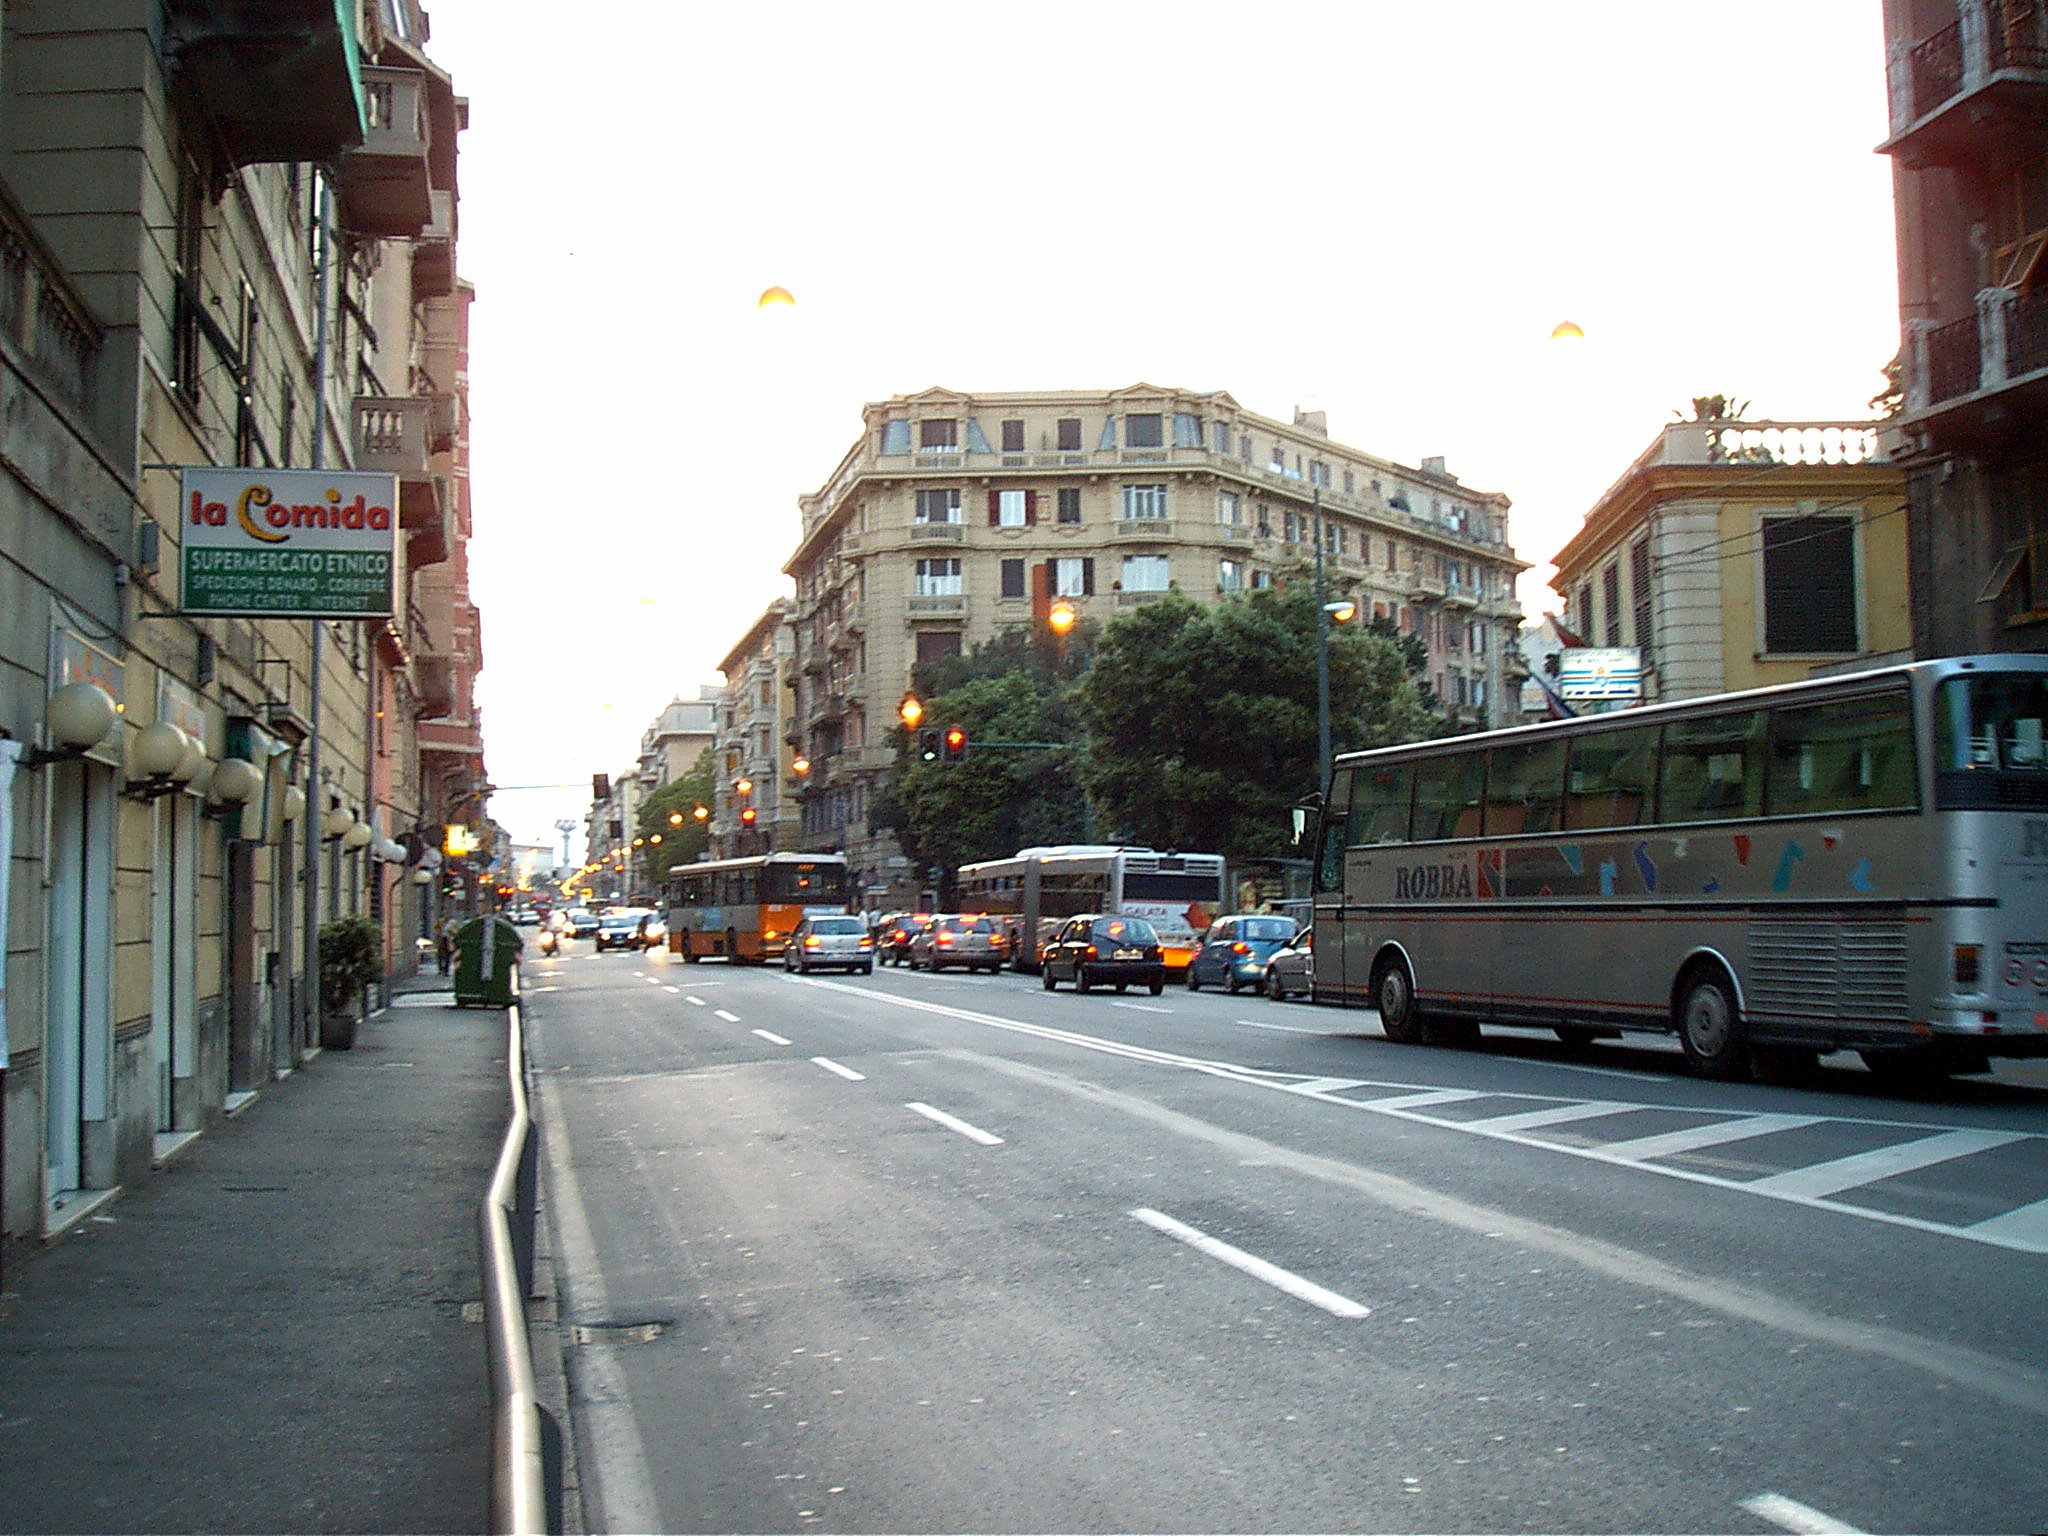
{"x": 1235, "y": 950}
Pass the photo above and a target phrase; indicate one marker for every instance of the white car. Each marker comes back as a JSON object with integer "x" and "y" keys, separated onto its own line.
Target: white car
{"x": 841, "y": 943}
{"x": 1292, "y": 970}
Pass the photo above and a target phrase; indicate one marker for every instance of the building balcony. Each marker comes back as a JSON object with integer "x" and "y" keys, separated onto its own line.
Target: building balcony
{"x": 400, "y": 434}
{"x": 1139, "y": 599}
{"x": 433, "y": 254}
{"x": 1424, "y": 588}
{"x": 276, "y": 83}
{"x": 433, "y": 678}
{"x": 948, "y": 606}
{"x": 941, "y": 533}
{"x": 1458, "y": 595}
{"x": 1145, "y": 528}
{"x": 386, "y": 182}
{"x": 40, "y": 309}
{"x": 1969, "y": 375}
{"x": 1972, "y": 92}
{"x": 426, "y": 512}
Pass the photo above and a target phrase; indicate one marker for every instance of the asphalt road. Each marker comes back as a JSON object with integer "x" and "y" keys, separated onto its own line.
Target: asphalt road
{"x": 921, "y": 1253}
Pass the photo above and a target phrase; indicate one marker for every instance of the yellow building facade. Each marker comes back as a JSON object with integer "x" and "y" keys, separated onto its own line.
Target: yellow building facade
{"x": 1737, "y": 554}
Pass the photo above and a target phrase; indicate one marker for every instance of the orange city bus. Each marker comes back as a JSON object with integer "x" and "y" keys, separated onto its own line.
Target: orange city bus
{"x": 745, "y": 909}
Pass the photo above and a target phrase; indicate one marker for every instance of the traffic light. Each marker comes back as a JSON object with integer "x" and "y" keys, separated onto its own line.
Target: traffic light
{"x": 956, "y": 744}
{"x": 928, "y": 746}
{"x": 747, "y": 816}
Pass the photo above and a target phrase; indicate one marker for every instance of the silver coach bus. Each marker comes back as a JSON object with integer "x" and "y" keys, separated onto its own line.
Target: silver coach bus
{"x": 1857, "y": 862}
{"x": 1177, "y": 893}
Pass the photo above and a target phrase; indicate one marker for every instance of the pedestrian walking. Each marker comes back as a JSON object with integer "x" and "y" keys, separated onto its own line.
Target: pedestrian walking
{"x": 444, "y": 944}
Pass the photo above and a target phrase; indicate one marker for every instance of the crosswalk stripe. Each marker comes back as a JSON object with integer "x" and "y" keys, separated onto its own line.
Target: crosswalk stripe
{"x": 1557, "y": 1114}
{"x": 2026, "y": 1227}
{"x": 1425, "y": 1100}
{"x": 1820, "y": 1179}
{"x": 1319, "y": 1085}
{"x": 1710, "y": 1135}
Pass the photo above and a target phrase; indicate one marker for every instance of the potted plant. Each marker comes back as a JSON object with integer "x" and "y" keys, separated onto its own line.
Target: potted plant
{"x": 349, "y": 962}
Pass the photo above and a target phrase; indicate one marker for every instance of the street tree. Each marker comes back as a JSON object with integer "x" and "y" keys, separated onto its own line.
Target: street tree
{"x": 1201, "y": 722}
{"x": 1002, "y": 797}
{"x": 681, "y": 842}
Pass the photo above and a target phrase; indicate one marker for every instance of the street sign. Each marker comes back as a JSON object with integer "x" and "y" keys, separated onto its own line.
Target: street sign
{"x": 1588, "y": 673}
{"x": 287, "y": 543}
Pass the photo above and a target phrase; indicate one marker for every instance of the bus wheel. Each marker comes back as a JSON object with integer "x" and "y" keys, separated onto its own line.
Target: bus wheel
{"x": 1710, "y": 1026}
{"x": 1393, "y": 992}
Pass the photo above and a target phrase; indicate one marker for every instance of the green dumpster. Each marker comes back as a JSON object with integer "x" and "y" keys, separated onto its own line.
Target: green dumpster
{"x": 486, "y": 950}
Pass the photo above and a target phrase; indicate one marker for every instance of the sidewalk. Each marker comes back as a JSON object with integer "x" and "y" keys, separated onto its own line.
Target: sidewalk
{"x": 269, "y": 1334}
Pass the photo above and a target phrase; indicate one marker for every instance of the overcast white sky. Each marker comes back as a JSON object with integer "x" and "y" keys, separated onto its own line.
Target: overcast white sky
{"x": 1379, "y": 214}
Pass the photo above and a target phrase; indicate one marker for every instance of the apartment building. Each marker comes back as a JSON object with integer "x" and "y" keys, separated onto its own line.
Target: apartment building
{"x": 956, "y": 516}
{"x": 224, "y": 232}
{"x": 758, "y": 767}
{"x": 1734, "y": 554}
{"x": 1968, "y": 90}
{"x": 680, "y": 734}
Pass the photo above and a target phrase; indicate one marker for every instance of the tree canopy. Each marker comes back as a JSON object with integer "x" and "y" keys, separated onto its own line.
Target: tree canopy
{"x": 684, "y": 843}
{"x": 1201, "y": 722}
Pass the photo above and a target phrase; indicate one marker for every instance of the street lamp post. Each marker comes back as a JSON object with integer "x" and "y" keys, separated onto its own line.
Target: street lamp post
{"x": 1322, "y": 654}
{"x": 1327, "y": 612}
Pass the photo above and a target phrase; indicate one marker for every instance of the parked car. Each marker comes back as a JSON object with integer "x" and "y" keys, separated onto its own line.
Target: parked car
{"x": 582, "y": 923}
{"x": 1235, "y": 950}
{"x": 894, "y": 933}
{"x": 840, "y": 942}
{"x": 1100, "y": 950}
{"x": 956, "y": 938}
{"x": 620, "y": 929}
{"x": 1292, "y": 970}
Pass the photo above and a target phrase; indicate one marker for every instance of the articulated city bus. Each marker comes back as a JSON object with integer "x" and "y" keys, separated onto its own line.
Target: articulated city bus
{"x": 1178, "y": 893}
{"x": 745, "y": 909}
{"x": 1857, "y": 862}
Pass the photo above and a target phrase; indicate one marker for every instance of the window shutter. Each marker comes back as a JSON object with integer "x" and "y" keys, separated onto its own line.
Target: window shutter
{"x": 1031, "y": 509}
{"x": 995, "y": 508}
{"x": 1052, "y": 579}
{"x": 1087, "y": 575}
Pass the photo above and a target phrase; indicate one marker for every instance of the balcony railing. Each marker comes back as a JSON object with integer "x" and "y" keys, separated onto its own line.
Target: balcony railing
{"x": 1954, "y": 359}
{"x": 40, "y": 311}
{"x": 2003, "y": 342}
{"x": 1996, "y": 50}
{"x": 1937, "y": 68}
{"x": 2027, "y": 333}
{"x": 944, "y": 533}
{"x": 948, "y": 606}
{"x": 433, "y": 255}
{"x": 386, "y": 184}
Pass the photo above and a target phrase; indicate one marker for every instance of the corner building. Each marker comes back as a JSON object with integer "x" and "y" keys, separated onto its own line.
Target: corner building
{"x": 957, "y": 517}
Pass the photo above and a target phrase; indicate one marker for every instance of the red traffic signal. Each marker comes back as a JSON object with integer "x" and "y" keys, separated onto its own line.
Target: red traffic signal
{"x": 956, "y": 744}
{"x": 747, "y": 816}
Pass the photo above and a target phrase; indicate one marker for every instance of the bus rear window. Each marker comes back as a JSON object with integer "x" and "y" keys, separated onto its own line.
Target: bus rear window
{"x": 1989, "y": 749}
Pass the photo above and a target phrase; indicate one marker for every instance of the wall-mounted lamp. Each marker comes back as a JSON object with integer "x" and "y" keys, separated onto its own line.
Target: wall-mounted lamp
{"x": 154, "y": 758}
{"x": 294, "y": 805}
{"x": 422, "y": 876}
{"x": 79, "y": 716}
{"x": 357, "y": 836}
{"x": 337, "y": 821}
{"x": 234, "y": 784}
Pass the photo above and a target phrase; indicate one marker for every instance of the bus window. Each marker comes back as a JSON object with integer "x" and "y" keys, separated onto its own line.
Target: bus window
{"x": 1447, "y": 796}
{"x": 1523, "y": 785}
{"x": 1379, "y": 803}
{"x": 1855, "y": 755}
{"x": 1610, "y": 780}
{"x": 1712, "y": 768}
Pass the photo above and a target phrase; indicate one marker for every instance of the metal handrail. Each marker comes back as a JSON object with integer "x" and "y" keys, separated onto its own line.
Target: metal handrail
{"x": 519, "y": 1505}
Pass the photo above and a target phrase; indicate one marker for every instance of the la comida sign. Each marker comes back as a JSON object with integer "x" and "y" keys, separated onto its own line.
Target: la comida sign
{"x": 287, "y": 543}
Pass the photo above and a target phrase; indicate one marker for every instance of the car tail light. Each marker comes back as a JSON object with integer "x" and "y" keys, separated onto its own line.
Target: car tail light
{"x": 1093, "y": 953}
{"x": 1240, "y": 948}
{"x": 768, "y": 933}
{"x": 943, "y": 938}
{"x": 1968, "y": 967}
{"x": 866, "y": 942}
{"x": 811, "y": 942}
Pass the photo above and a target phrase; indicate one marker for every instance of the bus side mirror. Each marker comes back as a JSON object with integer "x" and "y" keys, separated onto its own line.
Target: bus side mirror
{"x": 1300, "y": 822}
